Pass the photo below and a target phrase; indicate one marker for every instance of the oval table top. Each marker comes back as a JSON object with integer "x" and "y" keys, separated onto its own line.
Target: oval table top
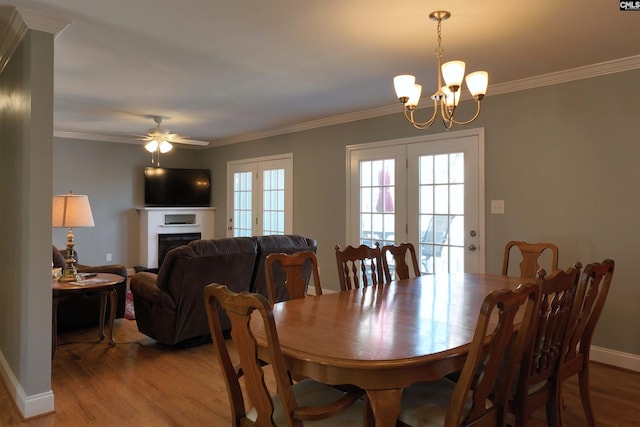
{"x": 387, "y": 337}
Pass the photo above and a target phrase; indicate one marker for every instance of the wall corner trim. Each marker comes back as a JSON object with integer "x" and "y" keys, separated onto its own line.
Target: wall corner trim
{"x": 29, "y": 406}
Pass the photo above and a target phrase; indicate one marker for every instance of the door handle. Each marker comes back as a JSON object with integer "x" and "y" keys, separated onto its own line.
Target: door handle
{"x": 472, "y": 247}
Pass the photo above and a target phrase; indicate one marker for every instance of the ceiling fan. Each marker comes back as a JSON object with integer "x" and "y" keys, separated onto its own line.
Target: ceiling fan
{"x": 160, "y": 139}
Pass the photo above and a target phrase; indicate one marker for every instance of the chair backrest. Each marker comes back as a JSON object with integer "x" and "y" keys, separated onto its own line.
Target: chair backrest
{"x": 490, "y": 368}
{"x": 542, "y": 357}
{"x": 592, "y": 292}
{"x": 296, "y": 270}
{"x": 531, "y": 253}
{"x": 399, "y": 254}
{"x": 239, "y": 307}
{"x": 359, "y": 266}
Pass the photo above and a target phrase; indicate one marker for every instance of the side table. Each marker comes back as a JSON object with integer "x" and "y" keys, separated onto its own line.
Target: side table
{"x": 101, "y": 283}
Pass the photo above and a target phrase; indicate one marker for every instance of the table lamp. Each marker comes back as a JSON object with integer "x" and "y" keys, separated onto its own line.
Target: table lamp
{"x": 71, "y": 210}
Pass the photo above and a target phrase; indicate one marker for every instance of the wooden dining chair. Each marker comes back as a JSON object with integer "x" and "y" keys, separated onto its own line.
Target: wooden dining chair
{"x": 399, "y": 255}
{"x": 304, "y": 400}
{"x": 480, "y": 395}
{"x": 294, "y": 272}
{"x": 531, "y": 253}
{"x": 357, "y": 267}
{"x": 537, "y": 384}
{"x": 590, "y": 298}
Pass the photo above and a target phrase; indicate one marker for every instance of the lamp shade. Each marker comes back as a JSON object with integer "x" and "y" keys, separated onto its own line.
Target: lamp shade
{"x": 151, "y": 146}
{"x": 71, "y": 210}
{"x": 477, "y": 83}
{"x": 453, "y": 73}
{"x": 165, "y": 146}
{"x": 404, "y": 85}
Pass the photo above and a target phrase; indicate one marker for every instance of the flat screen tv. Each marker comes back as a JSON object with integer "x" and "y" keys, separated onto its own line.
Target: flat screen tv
{"x": 171, "y": 187}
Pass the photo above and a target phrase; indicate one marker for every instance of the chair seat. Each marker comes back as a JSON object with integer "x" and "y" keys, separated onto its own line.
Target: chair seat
{"x": 312, "y": 393}
{"x": 425, "y": 404}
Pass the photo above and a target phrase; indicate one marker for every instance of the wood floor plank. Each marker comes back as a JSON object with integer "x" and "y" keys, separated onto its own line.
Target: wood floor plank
{"x": 139, "y": 383}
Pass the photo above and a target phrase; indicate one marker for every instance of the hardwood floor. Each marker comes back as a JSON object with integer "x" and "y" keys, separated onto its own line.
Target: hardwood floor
{"x": 139, "y": 383}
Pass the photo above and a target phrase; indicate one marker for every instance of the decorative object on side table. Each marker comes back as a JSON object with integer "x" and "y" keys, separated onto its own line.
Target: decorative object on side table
{"x": 68, "y": 211}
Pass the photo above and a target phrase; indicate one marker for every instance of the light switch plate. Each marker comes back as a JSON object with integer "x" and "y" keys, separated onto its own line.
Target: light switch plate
{"x": 497, "y": 206}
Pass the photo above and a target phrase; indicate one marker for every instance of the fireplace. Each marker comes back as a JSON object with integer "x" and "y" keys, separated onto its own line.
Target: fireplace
{"x": 175, "y": 226}
{"x": 166, "y": 242}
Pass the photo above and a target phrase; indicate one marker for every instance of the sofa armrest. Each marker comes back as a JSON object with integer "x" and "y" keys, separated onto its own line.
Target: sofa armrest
{"x": 144, "y": 285}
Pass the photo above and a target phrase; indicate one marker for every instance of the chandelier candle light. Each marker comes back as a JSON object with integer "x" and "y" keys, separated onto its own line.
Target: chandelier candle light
{"x": 447, "y": 94}
{"x": 71, "y": 210}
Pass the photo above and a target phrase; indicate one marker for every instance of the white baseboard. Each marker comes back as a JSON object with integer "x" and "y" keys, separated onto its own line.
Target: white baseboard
{"x": 615, "y": 358}
{"x": 29, "y": 406}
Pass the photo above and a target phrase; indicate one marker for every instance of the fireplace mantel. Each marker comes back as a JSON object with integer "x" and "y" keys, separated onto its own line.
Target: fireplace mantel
{"x": 174, "y": 220}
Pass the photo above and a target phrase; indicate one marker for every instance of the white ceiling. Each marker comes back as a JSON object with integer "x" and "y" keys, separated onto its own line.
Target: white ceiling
{"x": 230, "y": 70}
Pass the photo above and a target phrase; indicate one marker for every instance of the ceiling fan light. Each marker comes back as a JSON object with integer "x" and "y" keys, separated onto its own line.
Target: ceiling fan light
{"x": 477, "y": 83}
{"x": 151, "y": 146}
{"x": 453, "y": 73}
{"x": 404, "y": 85}
{"x": 165, "y": 146}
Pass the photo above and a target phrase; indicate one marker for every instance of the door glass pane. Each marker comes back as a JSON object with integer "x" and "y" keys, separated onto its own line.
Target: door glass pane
{"x": 377, "y": 202}
{"x": 242, "y": 204}
{"x": 441, "y": 192}
{"x": 273, "y": 200}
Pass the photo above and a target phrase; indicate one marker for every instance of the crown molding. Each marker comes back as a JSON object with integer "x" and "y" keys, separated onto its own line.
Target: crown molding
{"x": 589, "y": 71}
{"x": 12, "y": 35}
{"x": 565, "y": 76}
{"x": 586, "y": 72}
{"x": 46, "y": 23}
{"x": 19, "y": 21}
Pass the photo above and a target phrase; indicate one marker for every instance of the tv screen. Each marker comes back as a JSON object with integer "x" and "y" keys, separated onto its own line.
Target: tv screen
{"x": 170, "y": 187}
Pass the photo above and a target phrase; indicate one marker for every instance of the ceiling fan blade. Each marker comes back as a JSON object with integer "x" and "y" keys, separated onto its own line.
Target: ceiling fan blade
{"x": 187, "y": 141}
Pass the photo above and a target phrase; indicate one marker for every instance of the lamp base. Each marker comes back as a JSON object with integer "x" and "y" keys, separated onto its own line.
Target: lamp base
{"x": 70, "y": 275}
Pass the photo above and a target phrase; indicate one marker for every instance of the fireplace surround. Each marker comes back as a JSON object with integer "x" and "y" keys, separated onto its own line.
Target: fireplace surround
{"x": 177, "y": 226}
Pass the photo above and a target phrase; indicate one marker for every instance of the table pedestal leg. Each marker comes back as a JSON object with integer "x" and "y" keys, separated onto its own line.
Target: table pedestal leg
{"x": 113, "y": 296}
{"x": 385, "y": 405}
{"x": 112, "y": 314}
{"x": 103, "y": 309}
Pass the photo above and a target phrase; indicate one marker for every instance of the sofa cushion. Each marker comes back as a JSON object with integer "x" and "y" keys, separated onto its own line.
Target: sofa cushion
{"x": 268, "y": 245}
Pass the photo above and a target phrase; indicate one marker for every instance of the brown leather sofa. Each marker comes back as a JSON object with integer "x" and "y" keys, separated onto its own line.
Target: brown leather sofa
{"x": 169, "y": 305}
{"x": 83, "y": 310}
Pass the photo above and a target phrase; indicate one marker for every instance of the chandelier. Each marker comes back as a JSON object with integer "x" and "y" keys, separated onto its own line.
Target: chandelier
{"x": 447, "y": 94}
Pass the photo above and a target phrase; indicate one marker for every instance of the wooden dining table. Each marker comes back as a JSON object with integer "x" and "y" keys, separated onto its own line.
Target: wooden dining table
{"x": 384, "y": 338}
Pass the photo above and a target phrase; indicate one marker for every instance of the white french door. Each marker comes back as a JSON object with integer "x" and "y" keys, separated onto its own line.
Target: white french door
{"x": 428, "y": 191}
{"x": 260, "y": 196}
